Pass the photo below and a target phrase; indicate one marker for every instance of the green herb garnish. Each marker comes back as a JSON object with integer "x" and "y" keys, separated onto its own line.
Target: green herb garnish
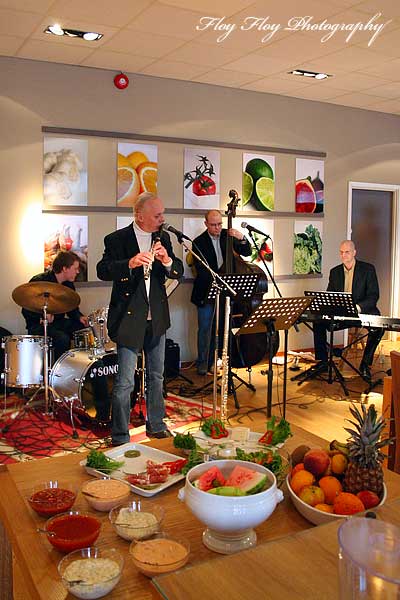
{"x": 99, "y": 461}
{"x": 185, "y": 441}
{"x": 194, "y": 459}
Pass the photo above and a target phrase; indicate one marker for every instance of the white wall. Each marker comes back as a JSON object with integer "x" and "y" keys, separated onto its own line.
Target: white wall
{"x": 361, "y": 146}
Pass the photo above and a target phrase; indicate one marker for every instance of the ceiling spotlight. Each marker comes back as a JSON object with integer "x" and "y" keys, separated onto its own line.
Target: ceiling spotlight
{"x": 309, "y": 74}
{"x": 55, "y": 29}
{"x": 92, "y": 36}
{"x": 89, "y": 36}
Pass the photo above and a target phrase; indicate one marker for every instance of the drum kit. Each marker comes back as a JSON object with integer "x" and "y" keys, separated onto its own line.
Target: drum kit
{"x": 72, "y": 379}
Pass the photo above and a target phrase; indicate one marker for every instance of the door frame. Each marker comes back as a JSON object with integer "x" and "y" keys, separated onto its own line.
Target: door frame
{"x": 395, "y": 258}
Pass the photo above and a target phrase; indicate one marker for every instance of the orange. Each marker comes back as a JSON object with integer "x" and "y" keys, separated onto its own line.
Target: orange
{"x": 122, "y": 161}
{"x": 301, "y": 479}
{"x": 128, "y": 186}
{"x": 331, "y": 488}
{"x": 338, "y": 464}
{"x": 147, "y": 172}
{"x": 324, "y": 507}
{"x": 136, "y": 158}
{"x": 347, "y": 504}
{"x": 298, "y": 467}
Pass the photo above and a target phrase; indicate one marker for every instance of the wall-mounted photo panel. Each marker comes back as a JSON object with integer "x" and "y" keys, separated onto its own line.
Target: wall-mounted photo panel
{"x": 264, "y": 240}
{"x": 66, "y": 232}
{"x": 201, "y": 180}
{"x": 65, "y": 171}
{"x": 258, "y": 187}
{"x": 309, "y": 191}
{"x": 137, "y": 171}
{"x": 307, "y": 247}
{"x": 123, "y": 222}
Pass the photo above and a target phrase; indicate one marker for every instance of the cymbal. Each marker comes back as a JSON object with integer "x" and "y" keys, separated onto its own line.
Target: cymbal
{"x": 33, "y": 295}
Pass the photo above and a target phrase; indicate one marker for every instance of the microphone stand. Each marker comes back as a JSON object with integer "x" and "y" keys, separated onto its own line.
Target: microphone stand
{"x": 219, "y": 284}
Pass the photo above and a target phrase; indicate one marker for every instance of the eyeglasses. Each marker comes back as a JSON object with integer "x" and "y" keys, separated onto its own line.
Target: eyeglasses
{"x": 214, "y": 224}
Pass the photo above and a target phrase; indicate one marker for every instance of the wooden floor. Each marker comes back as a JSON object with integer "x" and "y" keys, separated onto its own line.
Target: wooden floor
{"x": 317, "y": 406}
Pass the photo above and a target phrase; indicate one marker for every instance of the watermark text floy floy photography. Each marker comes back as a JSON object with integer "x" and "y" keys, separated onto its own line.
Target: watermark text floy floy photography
{"x": 268, "y": 29}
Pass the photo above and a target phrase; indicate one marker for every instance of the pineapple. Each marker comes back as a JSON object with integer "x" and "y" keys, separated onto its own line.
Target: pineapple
{"x": 364, "y": 471}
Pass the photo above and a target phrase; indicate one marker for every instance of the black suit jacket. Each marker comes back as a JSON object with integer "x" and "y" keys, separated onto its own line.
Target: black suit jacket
{"x": 129, "y": 304}
{"x": 204, "y": 245}
{"x": 33, "y": 319}
{"x": 365, "y": 289}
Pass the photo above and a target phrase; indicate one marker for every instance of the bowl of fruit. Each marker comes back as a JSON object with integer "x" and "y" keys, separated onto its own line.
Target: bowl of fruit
{"x": 345, "y": 479}
{"x": 230, "y": 497}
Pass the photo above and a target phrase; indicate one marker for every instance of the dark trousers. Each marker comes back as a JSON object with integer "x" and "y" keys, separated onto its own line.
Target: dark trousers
{"x": 320, "y": 340}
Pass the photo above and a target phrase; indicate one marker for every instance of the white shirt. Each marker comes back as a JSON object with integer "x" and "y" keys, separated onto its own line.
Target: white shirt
{"x": 144, "y": 240}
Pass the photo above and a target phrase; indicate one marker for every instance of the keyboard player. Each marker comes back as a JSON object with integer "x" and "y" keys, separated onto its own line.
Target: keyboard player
{"x": 360, "y": 279}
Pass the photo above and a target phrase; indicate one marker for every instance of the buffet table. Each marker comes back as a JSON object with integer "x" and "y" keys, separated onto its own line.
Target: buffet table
{"x": 35, "y": 570}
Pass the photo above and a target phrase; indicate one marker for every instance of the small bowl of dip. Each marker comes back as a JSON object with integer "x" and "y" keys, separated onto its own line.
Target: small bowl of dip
{"x": 72, "y": 530}
{"x": 161, "y": 554}
{"x": 91, "y": 572}
{"x": 137, "y": 520}
{"x": 104, "y": 494}
{"x": 52, "y": 497}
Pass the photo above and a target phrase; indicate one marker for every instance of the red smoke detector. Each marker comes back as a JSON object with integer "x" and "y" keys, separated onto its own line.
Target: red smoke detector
{"x": 121, "y": 81}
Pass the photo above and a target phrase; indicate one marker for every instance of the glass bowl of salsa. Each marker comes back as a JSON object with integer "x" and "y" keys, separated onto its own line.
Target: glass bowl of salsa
{"x": 52, "y": 497}
{"x": 72, "y": 530}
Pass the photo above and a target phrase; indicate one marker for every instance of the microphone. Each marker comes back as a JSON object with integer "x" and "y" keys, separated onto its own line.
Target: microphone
{"x": 179, "y": 234}
{"x": 251, "y": 228}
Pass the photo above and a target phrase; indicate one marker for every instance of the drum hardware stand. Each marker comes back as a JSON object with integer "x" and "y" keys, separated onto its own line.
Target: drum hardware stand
{"x": 275, "y": 314}
{"x": 46, "y": 386}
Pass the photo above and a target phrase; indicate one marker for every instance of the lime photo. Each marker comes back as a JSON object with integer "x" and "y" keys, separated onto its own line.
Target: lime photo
{"x": 258, "y": 188}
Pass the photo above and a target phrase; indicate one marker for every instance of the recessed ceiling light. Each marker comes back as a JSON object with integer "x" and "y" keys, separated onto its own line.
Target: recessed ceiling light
{"x": 55, "y": 29}
{"x": 312, "y": 74}
{"x": 89, "y": 36}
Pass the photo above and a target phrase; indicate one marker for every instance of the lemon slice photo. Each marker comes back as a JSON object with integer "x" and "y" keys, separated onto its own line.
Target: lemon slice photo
{"x": 265, "y": 193}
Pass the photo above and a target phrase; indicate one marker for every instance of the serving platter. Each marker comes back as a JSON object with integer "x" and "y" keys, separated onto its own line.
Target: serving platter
{"x": 135, "y": 465}
{"x": 245, "y": 440}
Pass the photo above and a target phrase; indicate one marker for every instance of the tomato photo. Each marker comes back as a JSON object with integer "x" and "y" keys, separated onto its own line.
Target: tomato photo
{"x": 204, "y": 186}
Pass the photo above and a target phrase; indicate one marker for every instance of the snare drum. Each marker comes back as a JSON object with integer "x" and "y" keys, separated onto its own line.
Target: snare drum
{"x": 98, "y": 322}
{"x": 84, "y": 339}
{"x": 88, "y": 376}
{"x": 23, "y": 360}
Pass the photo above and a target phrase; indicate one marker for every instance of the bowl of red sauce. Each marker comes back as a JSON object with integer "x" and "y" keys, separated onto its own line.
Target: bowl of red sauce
{"x": 52, "y": 498}
{"x": 72, "y": 530}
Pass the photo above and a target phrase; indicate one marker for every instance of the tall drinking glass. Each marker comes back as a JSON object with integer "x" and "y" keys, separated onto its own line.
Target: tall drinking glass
{"x": 369, "y": 560}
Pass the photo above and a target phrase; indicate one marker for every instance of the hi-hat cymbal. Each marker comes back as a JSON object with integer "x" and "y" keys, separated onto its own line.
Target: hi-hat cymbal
{"x": 33, "y": 296}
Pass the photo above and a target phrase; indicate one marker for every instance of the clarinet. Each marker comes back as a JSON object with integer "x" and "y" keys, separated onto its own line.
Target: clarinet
{"x": 147, "y": 268}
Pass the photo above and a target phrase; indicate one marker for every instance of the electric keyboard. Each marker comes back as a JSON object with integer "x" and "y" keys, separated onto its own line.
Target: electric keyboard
{"x": 388, "y": 323}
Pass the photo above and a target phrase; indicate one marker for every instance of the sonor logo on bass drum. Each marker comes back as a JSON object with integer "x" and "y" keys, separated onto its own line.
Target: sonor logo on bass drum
{"x": 105, "y": 370}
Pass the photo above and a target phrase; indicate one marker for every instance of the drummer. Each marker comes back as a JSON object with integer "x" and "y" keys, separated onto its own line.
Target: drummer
{"x": 61, "y": 326}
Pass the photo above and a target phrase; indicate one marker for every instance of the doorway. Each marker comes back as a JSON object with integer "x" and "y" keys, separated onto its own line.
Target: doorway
{"x": 373, "y": 226}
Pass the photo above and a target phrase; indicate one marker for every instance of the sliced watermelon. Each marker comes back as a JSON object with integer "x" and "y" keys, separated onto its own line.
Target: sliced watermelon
{"x": 247, "y": 480}
{"x": 212, "y": 478}
{"x": 227, "y": 491}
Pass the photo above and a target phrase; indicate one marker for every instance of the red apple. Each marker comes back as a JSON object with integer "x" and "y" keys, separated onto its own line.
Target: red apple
{"x": 316, "y": 461}
{"x": 369, "y": 499}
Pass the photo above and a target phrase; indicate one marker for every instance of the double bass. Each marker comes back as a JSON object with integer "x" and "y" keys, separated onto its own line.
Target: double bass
{"x": 249, "y": 349}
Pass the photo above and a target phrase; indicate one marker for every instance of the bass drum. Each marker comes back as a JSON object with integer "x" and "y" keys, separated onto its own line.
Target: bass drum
{"x": 89, "y": 377}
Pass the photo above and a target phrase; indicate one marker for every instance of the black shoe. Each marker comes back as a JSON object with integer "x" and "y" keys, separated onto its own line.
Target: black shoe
{"x": 201, "y": 371}
{"x": 365, "y": 371}
{"x": 159, "y": 435}
{"x": 389, "y": 372}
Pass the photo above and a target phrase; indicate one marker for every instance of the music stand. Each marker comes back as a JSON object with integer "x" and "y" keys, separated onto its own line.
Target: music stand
{"x": 244, "y": 284}
{"x": 328, "y": 306}
{"x": 275, "y": 314}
